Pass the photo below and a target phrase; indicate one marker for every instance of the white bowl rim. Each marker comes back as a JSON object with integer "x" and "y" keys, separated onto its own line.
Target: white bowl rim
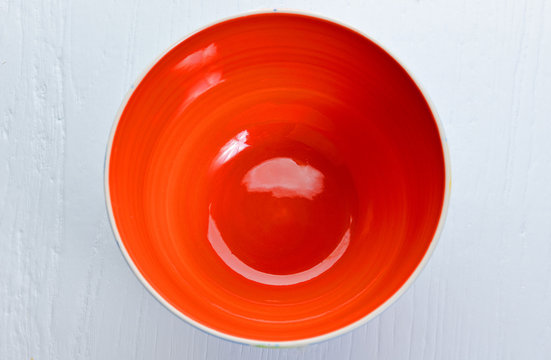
{"x": 310, "y": 340}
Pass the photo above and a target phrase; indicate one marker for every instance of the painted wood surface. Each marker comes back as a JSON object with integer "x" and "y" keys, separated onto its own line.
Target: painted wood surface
{"x": 65, "y": 290}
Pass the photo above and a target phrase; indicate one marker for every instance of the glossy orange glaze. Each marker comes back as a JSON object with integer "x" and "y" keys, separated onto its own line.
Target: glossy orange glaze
{"x": 276, "y": 177}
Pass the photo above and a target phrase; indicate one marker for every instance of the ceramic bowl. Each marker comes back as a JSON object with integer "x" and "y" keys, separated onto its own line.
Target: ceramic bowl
{"x": 276, "y": 179}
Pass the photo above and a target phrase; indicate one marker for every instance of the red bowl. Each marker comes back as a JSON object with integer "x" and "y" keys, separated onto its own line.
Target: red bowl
{"x": 277, "y": 179}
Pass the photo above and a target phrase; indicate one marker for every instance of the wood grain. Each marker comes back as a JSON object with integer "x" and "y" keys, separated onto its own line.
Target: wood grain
{"x": 65, "y": 290}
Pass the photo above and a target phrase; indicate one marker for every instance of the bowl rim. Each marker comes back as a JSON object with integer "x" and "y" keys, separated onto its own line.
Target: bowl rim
{"x": 315, "y": 339}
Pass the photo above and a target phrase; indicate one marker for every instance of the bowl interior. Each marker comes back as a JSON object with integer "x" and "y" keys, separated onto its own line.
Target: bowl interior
{"x": 276, "y": 177}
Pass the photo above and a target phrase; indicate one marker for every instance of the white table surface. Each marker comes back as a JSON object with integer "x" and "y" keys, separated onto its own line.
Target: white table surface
{"x": 67, "y": 293}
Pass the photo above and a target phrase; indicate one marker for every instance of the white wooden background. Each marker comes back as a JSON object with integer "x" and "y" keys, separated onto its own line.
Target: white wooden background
{"x": 67, "y": 293}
